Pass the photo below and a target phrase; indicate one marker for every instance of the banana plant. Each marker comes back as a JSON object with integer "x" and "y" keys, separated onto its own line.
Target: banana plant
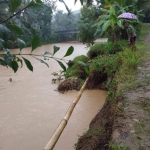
{"x": 109, "y": 23}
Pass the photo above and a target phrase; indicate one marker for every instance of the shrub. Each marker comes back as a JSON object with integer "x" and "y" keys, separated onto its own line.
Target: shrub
{"x": 129, "y": 59}
{"x": 77, "y": 70}
{"x": 81, "y": 58}
{"x": 105, "y": 65}
{"x": 106, "y": 48}
{"x": 96, "y": 49}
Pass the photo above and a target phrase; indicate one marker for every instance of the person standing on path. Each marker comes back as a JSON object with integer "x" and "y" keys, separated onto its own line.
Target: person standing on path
{"x": 131, "y": 35}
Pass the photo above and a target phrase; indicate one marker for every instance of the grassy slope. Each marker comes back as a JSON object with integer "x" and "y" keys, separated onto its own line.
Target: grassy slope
{"x": 103, "y": 126}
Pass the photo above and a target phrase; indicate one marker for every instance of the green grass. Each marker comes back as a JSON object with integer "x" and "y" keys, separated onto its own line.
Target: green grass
{"x": 80, "y": 58}
{"x": 144, "y": 50}
{"x": 142, "y": 127}
{"x": 125, "y": 77}
{"x": 106, "y": 48}
{"x": 146, "y": 105}
{"x": 118, "y": 146}
{"x": 121, "y": 67}
{"x": 143, "y": 31}
{"x": 77, "y": 70}
{"x": 105, "y": 64}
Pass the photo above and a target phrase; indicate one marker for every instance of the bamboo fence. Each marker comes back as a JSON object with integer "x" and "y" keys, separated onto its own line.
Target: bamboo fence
{"x": 50, "y": 145}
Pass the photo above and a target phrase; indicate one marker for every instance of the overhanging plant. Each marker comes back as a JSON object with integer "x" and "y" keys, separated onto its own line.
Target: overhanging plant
{"x": 108, "y": 23}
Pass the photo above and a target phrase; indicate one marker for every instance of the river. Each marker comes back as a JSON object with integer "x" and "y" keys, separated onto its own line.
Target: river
{"x": 31, "y": 108}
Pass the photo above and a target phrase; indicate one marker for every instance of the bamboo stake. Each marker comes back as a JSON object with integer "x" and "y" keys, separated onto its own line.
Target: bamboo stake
{"x": 50, "y": 145}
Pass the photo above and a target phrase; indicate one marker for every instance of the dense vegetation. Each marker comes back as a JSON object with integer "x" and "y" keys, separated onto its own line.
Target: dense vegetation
{"x": 117, "y": 70}
{"x": 123, "y": 81}
{"x": 102, "y": 57}
{"x": 32, "y": 23}
{"x": 24, "y": 19}
{"x": 27, "y": 22}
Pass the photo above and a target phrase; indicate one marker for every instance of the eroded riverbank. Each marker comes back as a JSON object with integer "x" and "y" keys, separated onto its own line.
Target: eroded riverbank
{"x": 31, "y": 109}
{"x": 123, "y": 122}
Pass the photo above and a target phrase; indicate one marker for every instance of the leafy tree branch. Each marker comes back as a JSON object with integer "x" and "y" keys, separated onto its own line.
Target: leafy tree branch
{"x": 18, "y": 12}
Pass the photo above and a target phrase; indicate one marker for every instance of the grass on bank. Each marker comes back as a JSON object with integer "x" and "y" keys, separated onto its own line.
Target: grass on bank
{"x": 106, "y": 48}
{"x": 117, "y": 146}
{"x": 76, "y": 69}
{"x": 142, "y": 47}
{"x": 123, "y": 76}
{"x": 101, "y": 62}
{"x": 127, "y": 73}
{"x": 120, "y": 65}
{"x": 107, "y": 60}
{"x": 125, "y": 79}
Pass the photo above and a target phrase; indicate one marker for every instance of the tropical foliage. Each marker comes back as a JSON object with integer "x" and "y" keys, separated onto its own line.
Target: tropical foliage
{"x": 24, "y": 23}
{"x": 108, "y": 23}
{"x": 27, "y": 22}
{"x": 32, "y": 17}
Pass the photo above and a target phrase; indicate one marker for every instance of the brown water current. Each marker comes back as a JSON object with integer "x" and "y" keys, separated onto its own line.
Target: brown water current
{"x": 31, "y": 109}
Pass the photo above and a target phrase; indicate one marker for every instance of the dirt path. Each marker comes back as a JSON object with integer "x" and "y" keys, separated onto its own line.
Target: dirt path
{"x": 132, "y": 129}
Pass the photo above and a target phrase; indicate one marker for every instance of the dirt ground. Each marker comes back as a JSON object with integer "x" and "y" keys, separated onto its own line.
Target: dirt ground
{"x": 133, "y": 128}
{"x": 128, "y": 130}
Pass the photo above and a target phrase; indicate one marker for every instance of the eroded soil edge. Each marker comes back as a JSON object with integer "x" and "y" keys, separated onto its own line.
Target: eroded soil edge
{"x": 125, "y": 124}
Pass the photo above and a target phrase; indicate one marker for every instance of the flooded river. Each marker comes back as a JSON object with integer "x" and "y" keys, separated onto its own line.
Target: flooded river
{"x": 31, "y": 109}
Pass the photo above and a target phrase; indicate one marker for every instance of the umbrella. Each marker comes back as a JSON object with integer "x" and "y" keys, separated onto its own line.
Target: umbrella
{"x": 127, "y": 16}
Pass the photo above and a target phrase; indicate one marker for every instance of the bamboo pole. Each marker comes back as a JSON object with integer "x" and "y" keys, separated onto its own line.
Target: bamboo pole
{"x": 50, "y": 145}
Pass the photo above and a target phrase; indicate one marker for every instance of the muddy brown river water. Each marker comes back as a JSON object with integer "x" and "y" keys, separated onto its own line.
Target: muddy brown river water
{"x": 31, "y": 109}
